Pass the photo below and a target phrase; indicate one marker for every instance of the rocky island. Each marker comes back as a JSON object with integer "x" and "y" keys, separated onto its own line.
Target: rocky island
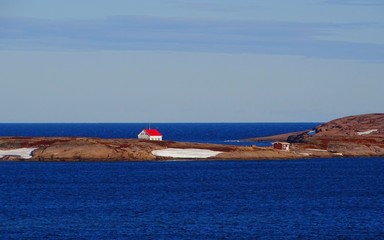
{"x": 361, "y": 135}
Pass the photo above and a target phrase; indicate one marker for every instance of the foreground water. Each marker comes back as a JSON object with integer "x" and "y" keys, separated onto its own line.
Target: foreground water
{"x": 340, "y": 198}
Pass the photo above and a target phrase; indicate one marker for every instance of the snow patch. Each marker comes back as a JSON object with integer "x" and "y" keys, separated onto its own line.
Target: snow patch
{"x": 367, "y": 132}
{"x": 185, "y": 153}
{"x": 316, "y": 150}
{"x": 24, "y": 153}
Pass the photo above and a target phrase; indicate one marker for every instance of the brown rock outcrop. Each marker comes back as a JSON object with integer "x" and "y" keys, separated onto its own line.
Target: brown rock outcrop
{"x": 80, "y": 149}
{"x": 359, "y": 125}
{"x": 360, "y": 135}
{"x": 94, "y": 149}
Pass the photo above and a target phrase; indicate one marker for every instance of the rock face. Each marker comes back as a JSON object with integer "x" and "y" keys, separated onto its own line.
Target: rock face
{"x": 83, "y": 149}
{"x": 80, "y": 149}
{"x": 366, "y": 125}
{"x": 360, "y": 135}
{"x": 359, "y": 125}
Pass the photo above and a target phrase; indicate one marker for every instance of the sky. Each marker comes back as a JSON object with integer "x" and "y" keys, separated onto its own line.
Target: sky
{"x": 190, "y": 60}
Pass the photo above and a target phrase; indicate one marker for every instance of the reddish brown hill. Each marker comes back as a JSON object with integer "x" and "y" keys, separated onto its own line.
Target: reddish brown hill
{"x": 365, "y": 125}
{"x": 359, "y": 125}
{"x": 360, "y": 135}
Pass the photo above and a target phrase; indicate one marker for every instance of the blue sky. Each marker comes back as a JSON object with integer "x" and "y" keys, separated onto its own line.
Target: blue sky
{"x": 190, "y": 61}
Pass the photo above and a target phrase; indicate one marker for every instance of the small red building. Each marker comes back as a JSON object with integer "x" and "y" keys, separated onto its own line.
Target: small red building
{"x": 283, "y": 146}
{"x": 150, "y": 134}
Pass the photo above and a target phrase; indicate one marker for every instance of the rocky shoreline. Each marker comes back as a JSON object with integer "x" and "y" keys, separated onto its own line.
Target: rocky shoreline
{"x": 95, "y": 149}
{"x": 361, "y": 135}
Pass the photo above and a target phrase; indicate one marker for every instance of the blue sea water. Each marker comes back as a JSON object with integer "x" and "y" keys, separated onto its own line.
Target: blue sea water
{"x": 335, "y": 198}
{"x": 340, "y": 198}
{"x": 224, "y": 133}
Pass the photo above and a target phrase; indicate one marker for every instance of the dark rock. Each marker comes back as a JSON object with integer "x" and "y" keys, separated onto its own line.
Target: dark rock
{"x": 11, "y": 158}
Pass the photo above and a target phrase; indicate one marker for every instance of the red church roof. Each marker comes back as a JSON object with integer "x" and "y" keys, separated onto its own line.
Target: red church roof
{"x": 153, "y": 132}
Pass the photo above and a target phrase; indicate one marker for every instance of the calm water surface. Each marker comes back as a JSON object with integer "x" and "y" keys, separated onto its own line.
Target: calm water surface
{"x": 224, "y": 133}
{"x": 302, "y": 199}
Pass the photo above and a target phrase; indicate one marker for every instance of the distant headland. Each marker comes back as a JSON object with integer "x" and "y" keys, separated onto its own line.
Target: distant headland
{"x": 360, "y": 135}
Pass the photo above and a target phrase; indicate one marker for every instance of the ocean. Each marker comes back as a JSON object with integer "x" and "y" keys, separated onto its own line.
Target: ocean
{"x": 223, "y": 133}
{"x": 330, "y": 198}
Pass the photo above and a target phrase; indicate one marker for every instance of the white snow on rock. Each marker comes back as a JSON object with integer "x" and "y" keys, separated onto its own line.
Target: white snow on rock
{"x": 367, "y": 132}
{"x": 185, "y": 153}
{"x": 25, "y": 153}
